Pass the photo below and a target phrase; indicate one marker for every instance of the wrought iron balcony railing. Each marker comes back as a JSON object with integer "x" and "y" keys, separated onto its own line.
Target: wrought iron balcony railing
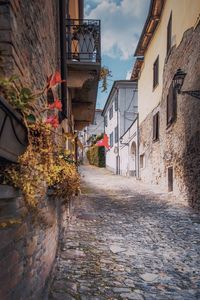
{"x": 83, "y": 40}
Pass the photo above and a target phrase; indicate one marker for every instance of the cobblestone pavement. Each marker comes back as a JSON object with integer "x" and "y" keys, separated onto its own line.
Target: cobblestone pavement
{"x": 128, "y": 242}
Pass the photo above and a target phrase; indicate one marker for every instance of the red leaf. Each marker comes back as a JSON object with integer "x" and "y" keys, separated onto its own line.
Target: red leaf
{"x": 54, "y": 79}
{"x": 56, "y": 104}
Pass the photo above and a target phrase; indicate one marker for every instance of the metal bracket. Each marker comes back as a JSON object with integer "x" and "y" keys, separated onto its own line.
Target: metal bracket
{"x": 195, "y": 94}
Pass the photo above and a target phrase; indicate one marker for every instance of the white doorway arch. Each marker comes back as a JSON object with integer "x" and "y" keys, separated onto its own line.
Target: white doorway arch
{"x": 132, "y": 161}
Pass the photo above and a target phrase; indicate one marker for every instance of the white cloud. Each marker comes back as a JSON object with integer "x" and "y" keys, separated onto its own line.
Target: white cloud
{"x": 121, "y": 23}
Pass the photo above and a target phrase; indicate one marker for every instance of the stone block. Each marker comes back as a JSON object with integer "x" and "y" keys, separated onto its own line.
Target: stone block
{"x": 8, "y": 192}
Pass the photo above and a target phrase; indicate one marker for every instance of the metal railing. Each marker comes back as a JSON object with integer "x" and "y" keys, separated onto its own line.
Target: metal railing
{"x": 83, "y": 40}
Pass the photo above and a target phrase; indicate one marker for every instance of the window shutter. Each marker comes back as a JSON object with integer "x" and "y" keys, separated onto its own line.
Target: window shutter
{"x": 116, "y": 134}
{"x": 156, "y": 126}
{"x": 111, "y": 140}
{"x": 111, "y": 112}
{"x": 106, "y": 121}
{"x": 170, "y": 105}
{"x": 155, "y": 72}
{"x": 116, "y": 103}
{"x": 170, "y": 179}
{"x": 169, "y": 35}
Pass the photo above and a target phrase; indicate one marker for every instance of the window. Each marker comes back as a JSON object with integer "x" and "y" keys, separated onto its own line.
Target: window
{"x": 156, "y": 123}
{"x": 116, "y": 134}
{"x": 169, "y": 35}
{"x": 106, "y": 121}
{"x": 142, "y": 161}
{"x": 111, "y": 140}
{"x": 155, "y": 72}
{"x": 170, "y": 179}
{"x": 171, "y": 106}
{"x": 116, "y": 103}
{"x": 111, "y": 112}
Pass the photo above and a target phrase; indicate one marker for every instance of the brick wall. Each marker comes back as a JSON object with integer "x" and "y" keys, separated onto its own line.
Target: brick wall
{"x": 27, "y": 249}
{"x": 179, "y": 145}
{"x": 29, "y": 39}
{"x": 29, "y": 45}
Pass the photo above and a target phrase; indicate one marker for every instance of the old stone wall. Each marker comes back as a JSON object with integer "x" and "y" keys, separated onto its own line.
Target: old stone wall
{"x": 29, "y": 40}
{"x": 29, "y": 48}
{"x": 178, "y": 145}
{"x": 28, "y": 244}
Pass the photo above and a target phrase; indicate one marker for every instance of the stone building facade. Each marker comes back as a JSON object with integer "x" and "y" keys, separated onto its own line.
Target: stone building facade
{"x": 169, "y": 152}
{"x": 29, "y": 40}
{"x": 28, "y": 247}
{"x": 30, "y": 47}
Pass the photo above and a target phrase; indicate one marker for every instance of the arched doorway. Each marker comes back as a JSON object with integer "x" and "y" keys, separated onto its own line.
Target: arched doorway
{"x": 132, "y": 162}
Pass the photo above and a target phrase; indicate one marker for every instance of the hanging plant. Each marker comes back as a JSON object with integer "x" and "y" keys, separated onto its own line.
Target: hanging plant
{"x": 43, "y": 165}
{"x": 104, "y": 74}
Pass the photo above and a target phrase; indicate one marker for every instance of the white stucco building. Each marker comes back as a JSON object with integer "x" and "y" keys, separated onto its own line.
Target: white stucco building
{"x": 167, "y": 69}
{"x": 129, "y": 150}
{"x": 90, "y": 132}
{"x": 120, "y": 112}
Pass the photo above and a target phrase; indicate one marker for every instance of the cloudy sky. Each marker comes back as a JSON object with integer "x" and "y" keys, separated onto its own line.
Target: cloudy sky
{"x": 121, "y": 24}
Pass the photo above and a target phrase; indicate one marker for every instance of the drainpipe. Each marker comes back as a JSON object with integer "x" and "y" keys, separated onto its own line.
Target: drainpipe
{"x": 118, "y": 155}
{"x": 138, "y": 148}
{"x": 76, "y": 151}
{"x": 63, "y": 56}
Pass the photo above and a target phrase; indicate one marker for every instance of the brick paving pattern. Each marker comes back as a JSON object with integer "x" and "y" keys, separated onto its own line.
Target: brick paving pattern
{"x": 126, "y": 241}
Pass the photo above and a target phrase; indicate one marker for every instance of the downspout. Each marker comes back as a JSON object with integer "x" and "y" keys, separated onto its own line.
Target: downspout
{"x": 138, "y": 148}
{"x": 118, "y": 158}
{"x": 81, "y": 16}
{"x": 76, "y": 151}
{"x": 63, "y": 57}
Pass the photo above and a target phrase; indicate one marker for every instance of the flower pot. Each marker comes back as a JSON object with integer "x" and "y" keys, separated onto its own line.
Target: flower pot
{"x": 13, "y": 133}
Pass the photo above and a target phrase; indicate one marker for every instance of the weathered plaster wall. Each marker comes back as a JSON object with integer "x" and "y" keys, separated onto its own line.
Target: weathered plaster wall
{"x": 185, "y": 14}
{"x": 179, "y": 145}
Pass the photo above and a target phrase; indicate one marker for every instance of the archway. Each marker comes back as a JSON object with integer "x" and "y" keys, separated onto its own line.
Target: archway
{"x": 132, "y": 161}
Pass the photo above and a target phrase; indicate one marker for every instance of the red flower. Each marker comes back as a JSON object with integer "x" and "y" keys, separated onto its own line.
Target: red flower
{"x": 56, "y": 104}
{"x": 53, "y": 121}
{"x": 54, "y": 79}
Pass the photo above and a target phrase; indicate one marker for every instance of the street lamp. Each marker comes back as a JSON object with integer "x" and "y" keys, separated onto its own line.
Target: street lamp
{"x": 178, "y": 80}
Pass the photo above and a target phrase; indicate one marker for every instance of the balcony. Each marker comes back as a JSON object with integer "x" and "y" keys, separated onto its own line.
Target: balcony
{"x": 83, "y": 41}
{"x": 83, "y": 64}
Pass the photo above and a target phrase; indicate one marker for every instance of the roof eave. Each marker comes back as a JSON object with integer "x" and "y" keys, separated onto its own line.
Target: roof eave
{"x": 152, "y": 21}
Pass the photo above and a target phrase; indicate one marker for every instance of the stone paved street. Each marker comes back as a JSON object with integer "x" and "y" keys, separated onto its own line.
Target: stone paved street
{"x": 128, "y": 242}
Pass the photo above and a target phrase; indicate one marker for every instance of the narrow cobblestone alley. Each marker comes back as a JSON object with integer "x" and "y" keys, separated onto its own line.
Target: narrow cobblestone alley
{"x": 127, "y": 242}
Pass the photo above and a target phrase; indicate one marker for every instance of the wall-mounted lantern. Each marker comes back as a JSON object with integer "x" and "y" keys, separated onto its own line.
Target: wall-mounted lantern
{"x": 178, "y": 80}
{"x": 121, "y": 142}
